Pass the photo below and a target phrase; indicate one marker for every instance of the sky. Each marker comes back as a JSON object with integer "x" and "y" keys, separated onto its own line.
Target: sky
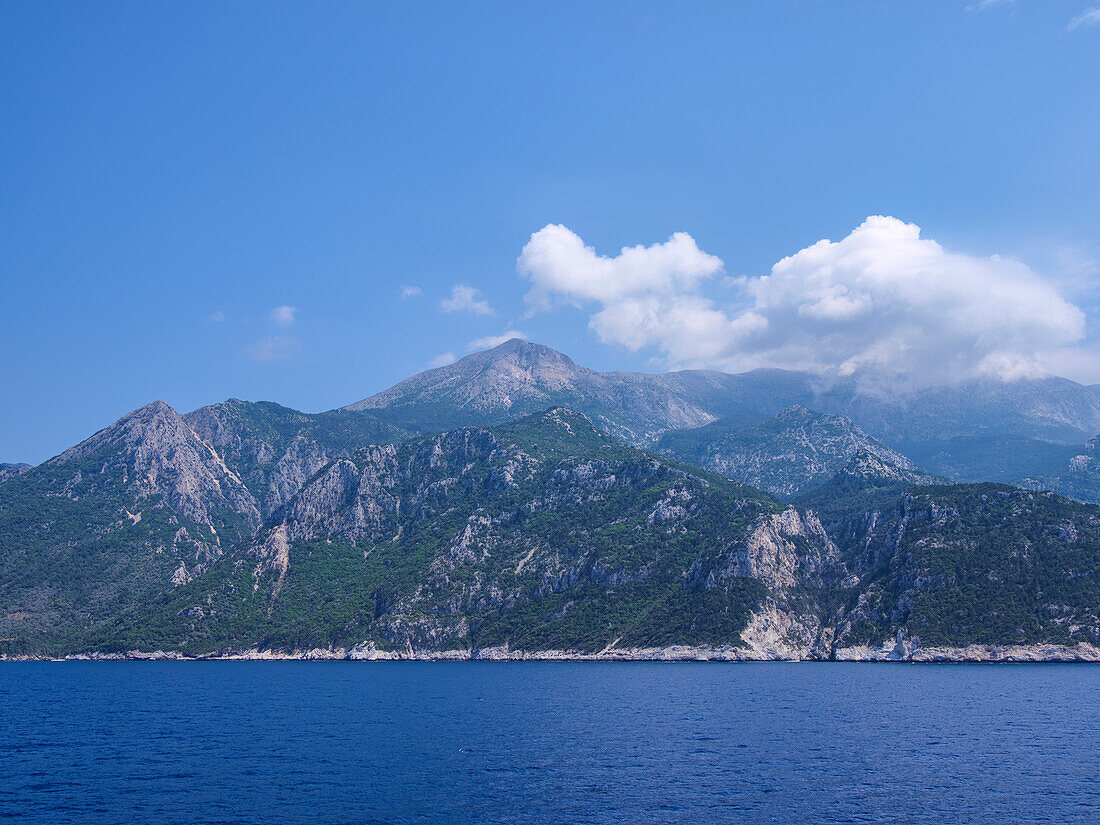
{"x": 307, "y": 203}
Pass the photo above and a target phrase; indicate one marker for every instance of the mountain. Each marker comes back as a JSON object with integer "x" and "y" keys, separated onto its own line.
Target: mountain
{"x": 536, "y": 535}
{"x": 546, "y": 537}
{"x": 12, "y": 470}
{"x": 1001, "y": 458}
{"x": 387, "y": 529}
{"x": 139, "y": 507}
{"x": 791, "y": 453}
{"x": 518, "y": 378}
{"x": 981, "y": 564}
{"x": 1077, "y": 478}
{"x": 274, "y": 450}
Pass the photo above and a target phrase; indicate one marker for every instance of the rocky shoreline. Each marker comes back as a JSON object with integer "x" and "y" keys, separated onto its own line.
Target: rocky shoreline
{"x": 899, "y": 652}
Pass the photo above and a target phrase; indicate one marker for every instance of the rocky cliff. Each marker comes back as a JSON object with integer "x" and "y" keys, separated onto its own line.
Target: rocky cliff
{"x": 275, "y": 450}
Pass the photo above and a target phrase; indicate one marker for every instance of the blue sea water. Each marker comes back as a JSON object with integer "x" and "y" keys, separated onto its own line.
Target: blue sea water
{"x": 310, "y": 742}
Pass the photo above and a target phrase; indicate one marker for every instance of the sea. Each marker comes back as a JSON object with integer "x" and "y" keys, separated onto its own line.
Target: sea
{"x": 549, "y": 742}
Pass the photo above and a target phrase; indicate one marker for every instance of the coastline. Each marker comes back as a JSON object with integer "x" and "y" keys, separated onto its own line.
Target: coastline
{"x": 892, "y": 653}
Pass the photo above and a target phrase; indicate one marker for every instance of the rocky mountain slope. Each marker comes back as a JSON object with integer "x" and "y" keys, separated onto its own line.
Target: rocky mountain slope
{"x": 248, "y": 527}
{"x": 12, "y": 470}
{"x": 274, "y": 450}
{"x": 137, "y": 508}
{"x": 546, "y": 537}
{"x": 981, "y": 564}
{"x": 786, "y": 456}
{"x": 538, "y": 535}
{"x": 518, "y": 377}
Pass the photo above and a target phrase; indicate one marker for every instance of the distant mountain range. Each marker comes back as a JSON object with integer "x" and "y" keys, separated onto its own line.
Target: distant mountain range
{"x": 514, "y": 503}
{"x": 519, "y": 377}
{"x": 787, "y": 455}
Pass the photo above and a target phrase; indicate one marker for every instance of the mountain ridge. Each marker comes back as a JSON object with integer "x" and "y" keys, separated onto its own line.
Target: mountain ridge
{"x": 787, "y": 455}
{"x": 248, "y": 528}
{"x": 1045, "y": 408}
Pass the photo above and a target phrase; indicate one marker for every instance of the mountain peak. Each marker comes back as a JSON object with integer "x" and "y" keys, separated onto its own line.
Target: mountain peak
{"x": 522, "y": 350}
{"x": 151, "y": 421}
{"x": 796, "y": 413}
{"x": 865, "y": 464}
{"x": 153, "y": 451}
{"x": 487, "y": 383}
{"x": 522, "y": 345}
{"x": 12, "y": 470}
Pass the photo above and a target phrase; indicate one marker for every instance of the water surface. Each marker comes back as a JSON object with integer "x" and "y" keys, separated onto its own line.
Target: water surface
{"x": 408, "y": 742}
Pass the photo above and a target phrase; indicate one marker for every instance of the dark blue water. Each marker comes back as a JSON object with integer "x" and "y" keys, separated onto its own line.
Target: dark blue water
{"x": 240, "y": 742}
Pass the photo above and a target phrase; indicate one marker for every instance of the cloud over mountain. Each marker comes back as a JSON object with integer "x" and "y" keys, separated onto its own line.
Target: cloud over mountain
{"x": 465, "y": 298}
{"x": 882, "y": 299}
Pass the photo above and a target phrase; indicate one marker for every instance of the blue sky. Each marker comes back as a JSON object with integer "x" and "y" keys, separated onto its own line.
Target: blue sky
{"x": 173, "y": 174}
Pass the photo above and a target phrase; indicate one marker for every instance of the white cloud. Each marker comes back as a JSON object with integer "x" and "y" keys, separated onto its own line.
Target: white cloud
{"x": 882, "y": 299}
{"x": 490, "y": 341}
{"x": 1088, "y": 18}
{"x": 217, "y": 317}
{"x": 985, "y": 5}
{"x": 560, "y": 267}
{"x": 442, "y": 360}
{"x": 465, "y": 298}
{"x": 410, "y": 291}
{"x": 284, "y": 315}
{"x": 273, "y": 348}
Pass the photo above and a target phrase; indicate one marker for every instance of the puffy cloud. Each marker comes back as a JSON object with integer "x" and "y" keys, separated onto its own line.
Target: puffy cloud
{"x": 490, "y": 341}
{"x": 410, "y": 291}
{"x": 273, "y": 348}
{"x": 1088, "y": 18}
{"x": 465, "y": 298}
{"x": 442, "y": 360}
{"x": 882, "y": 299}
{"x": 217, "y": 317}
{"x": 284, "y": 315}
{"x": 561, "y": 266}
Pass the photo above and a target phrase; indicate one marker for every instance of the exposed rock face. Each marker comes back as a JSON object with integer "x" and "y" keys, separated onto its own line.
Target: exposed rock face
{"x": 275, "y": 450}
{"x": 869, "y": 466}
{"x": 518, "y": 378}
{"x": 138, "y": 509}
{"x": 788, "y": 550}
{"x": 976, "y": 565}
{"x": 530, "y": 536}
{"x": 153, "y": 452}
{"x": 12, "y": 470}
{"x": 792, "y": 453}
